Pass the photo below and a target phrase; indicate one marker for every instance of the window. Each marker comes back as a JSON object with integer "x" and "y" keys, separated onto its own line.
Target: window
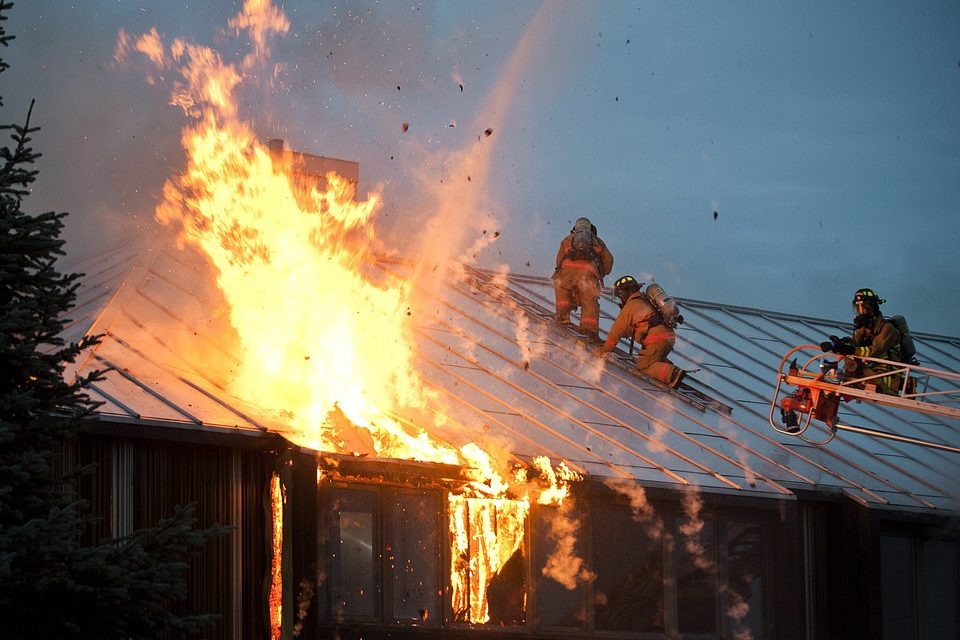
{"x": 700, "y": 576}
{"x": 413, "y": 556}
{"x": 384, "y": 555}
{"x": 393, "y": 553}
{"x": 629, "y": 588}
{"x": 940, "y": 597}
{"x": 697, "y": 587}
{"x": 745, "y": 573}
{"x": 558, "y": 605}
{"x": 919, "y": 587}
{"x": 489, "y": 561}
{"x": 354, "y": 552}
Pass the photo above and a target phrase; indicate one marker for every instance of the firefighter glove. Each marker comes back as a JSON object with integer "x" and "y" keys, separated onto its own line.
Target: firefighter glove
{"x": 840, "y": 346}
{"x": 845, "y": 347}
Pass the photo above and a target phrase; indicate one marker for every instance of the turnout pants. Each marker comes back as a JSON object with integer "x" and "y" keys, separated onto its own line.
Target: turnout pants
{"x": 578, "y": 287}
{"x": 652, "y": 361}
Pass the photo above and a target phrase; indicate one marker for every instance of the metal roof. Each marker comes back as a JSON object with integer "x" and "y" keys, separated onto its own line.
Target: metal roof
{"x": 505, "y": 370}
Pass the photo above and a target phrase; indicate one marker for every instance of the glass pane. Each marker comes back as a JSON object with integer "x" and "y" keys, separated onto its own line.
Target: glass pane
{"x": 898, "y": 588}
{"x": 697, "y": 593}
{"x": 629, "y": 567}
{"x": 559, "y": 595}
{"x": 354, "y": 562}
{"x": 414, "y": 557}
{"x": 941, "y": 599}
{"x": 745, "y": 573}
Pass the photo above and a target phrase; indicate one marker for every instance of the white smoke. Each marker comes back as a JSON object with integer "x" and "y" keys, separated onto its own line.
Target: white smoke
{"x": 563, "y": 565}
{"x": 643, "y": 511}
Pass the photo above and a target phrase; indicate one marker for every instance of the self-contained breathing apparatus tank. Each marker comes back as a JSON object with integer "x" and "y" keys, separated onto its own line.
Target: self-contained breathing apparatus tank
{"x": 664, "y": 304}
{"x": 581, "y": 246}
{"x": 908, "y": 350}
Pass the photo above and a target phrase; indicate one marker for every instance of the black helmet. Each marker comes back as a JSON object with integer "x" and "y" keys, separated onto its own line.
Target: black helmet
{"x": 866, "y": 301}
{"x": 624, "y": 287}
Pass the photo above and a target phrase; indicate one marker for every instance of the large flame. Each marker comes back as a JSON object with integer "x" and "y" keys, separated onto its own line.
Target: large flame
{"x": 319, "y": 337}
{"x": 485, "y": 534}
{"x": 324, "y": 342}
{"x": 315, "y": 332}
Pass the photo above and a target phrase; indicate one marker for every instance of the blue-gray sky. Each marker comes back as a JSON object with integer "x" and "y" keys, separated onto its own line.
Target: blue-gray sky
{"x": 765, "y": 154}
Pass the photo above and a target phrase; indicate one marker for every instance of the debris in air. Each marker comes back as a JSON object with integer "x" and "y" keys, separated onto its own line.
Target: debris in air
{"x": 715, "y": 215}
{"x": 405, "y": 126}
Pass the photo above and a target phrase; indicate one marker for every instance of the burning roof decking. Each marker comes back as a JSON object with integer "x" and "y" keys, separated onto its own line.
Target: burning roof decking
{"x": 509, "y": 377}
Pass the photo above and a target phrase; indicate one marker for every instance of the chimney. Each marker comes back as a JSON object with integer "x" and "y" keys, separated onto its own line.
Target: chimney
{"x": 276, "y": 147}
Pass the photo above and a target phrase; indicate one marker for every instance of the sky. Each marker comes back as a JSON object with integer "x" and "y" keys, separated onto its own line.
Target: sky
{"x": 762, "y": 154}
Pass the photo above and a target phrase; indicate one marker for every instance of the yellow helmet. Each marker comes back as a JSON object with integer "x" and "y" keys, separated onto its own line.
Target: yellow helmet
{"x": 867, "y": 301}
{"x": 624, "y": 287}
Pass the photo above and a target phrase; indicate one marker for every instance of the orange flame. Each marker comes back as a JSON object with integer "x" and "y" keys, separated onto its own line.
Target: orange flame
{"x": 485, "y": 533}
{"x": 275, "y": 599}
{"x": 315, "y": 332}
{"x": 322, "y": 335}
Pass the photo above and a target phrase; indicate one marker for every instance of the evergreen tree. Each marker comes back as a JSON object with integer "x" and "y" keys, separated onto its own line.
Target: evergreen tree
{"x": 50, "y": 585}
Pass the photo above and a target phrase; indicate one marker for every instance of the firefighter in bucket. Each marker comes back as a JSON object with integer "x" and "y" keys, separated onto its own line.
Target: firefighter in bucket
{"x": 582, "y": 261}
{"x": 874, "y": 336}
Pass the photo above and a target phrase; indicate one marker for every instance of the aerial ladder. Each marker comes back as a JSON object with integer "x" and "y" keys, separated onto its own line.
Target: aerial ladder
{"x": 821, "y": 384}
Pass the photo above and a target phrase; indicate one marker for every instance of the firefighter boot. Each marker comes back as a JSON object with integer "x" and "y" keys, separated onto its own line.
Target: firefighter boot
{"x": 677, "y": 377}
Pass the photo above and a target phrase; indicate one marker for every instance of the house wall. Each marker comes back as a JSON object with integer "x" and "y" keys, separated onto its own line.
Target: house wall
{"x": 371, "y": 557}
{"x": 917, "y": 588}
{"x": 878, "y": 574}
{"x": 137, "y": 481}
{"x": 740, "y": 568}
{"x": 728, "y": 571}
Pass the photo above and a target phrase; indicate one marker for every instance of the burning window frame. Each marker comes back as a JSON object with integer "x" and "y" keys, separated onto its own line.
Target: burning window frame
{"x": 673, "y": 540}
{"x": 380, "y": 487}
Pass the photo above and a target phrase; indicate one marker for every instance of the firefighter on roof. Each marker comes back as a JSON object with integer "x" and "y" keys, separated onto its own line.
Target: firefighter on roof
{"x": 873, "y": 337}
{"x": 582, "y": 261}
{"x": 641, "y": 317}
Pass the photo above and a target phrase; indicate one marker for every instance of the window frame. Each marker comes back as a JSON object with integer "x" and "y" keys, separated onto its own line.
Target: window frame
{"x": 435, "y": 618}
{"x": 723, "y": 516}
{"x": 383, "y": 501}
{"x": 918, "y": 543}
{"x": 538, "y": 556}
